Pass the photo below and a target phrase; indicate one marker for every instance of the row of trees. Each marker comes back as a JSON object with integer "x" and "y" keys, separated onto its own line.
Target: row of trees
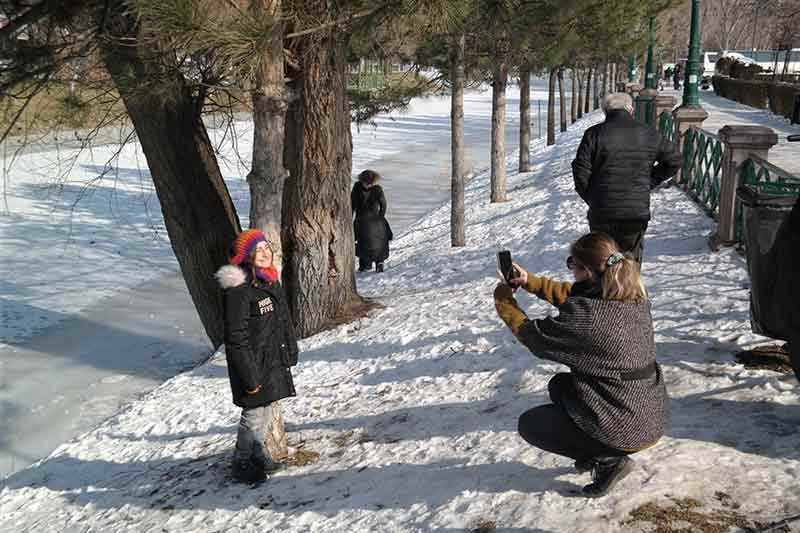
{"x": 590, "y": 39}
{"x": 169, "y": 61}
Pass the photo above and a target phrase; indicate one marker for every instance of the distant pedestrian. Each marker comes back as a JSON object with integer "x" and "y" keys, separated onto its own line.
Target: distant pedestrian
{"x": 676, "y": 77}
{"x": 260, "y": 348}
{"x": 617, "y": 164}
{"x": 372, "y": 231}
{"x": 613, "y": 402}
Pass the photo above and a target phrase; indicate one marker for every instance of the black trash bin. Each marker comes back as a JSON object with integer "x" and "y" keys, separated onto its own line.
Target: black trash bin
{"x": 771, "y": 237}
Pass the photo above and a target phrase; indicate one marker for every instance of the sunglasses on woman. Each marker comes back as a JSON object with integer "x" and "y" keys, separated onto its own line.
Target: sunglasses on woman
{"x": 571, "y": 263}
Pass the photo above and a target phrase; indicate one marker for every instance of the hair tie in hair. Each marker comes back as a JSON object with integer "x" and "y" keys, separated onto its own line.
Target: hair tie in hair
{"x": 614, "y": 258}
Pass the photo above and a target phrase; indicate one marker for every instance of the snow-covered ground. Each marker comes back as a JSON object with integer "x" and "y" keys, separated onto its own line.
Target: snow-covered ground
{"x": 92, "y": 307}
{"x": 413, "y": 410}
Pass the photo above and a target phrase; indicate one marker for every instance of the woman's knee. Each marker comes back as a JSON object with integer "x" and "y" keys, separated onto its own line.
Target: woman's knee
{"x": 531, "y": 423}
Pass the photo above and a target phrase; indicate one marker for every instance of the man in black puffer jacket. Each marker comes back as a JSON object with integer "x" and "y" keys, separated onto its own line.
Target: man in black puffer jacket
{"x": 617, "y": 165}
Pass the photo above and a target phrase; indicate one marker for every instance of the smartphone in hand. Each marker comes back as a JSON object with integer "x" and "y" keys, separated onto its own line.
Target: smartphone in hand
{"x": 506, "y": 267}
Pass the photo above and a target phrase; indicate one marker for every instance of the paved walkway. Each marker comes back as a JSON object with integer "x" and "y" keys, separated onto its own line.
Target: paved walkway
{"x": 723, "y": 112}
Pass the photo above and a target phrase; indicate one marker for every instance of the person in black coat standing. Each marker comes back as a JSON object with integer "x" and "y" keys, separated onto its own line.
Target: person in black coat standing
{"x": 260, "y": 348}
{"x": 372, "y": 231}
{"x": 617, "y": 165}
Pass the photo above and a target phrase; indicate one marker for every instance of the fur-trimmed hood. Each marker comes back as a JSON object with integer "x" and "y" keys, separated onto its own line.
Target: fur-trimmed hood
{"x": 230, "y": 276}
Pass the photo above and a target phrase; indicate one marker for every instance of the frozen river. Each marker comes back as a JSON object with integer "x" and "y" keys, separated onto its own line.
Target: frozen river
{"x": 106, "y": 317}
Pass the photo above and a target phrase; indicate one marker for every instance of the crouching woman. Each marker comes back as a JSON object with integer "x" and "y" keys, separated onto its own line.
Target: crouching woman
{"x": 260, "y": 347}
{"x": 613, "y": 402}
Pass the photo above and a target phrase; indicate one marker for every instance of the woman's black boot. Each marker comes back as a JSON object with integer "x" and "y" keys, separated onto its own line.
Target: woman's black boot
{"x": 607, "y": 472}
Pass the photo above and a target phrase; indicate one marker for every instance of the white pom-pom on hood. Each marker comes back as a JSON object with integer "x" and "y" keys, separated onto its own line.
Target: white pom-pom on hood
{"x": 230, "y": 276}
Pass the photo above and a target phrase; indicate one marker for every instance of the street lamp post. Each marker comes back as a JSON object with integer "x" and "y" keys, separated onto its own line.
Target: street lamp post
{"x": 631, "y": 69}
{"x": 645, "y": 102}
{"x": 691, "y": 97}
{"x": 690, "y": 113}
{"x": 650, "y": 75}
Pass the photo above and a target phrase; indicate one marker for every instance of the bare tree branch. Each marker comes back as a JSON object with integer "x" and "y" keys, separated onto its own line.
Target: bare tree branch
{"x": 39, "y": 86}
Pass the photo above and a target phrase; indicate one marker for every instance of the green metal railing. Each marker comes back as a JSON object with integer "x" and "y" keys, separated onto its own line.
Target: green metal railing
{"x": 765, "y": 178}
{"x": 702, "y": 168}
{"x": 644, "y": 109}
{"x": 768, "y": 178}
{"x": 666, "y": 125}
{"x": 701, "y": 174}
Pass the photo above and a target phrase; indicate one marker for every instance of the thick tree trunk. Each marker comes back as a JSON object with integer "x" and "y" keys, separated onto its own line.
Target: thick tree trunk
{"x": 524, "y": 119}
{"x": 574, "y": 100}
{"x": 457, "y": 222}
{"x": 604, "y": 90}
{"x": 199, "y": 215}
{"x": 267, "y": 173}
{"x": 498, "y": 175}
{"x": 551, "y": 107}
{"x": 580, "y": 94}
{"x": 612, "y": 86}
{"x": 587, "y": 102}
{"x": 270, "y": 101}
{"x": 612, "y": 82}
{"x": 318, "y": 241}
{"x": 276, "y": 440}
{"x": 561, "y": 100}
{"x": 596, "y": 90}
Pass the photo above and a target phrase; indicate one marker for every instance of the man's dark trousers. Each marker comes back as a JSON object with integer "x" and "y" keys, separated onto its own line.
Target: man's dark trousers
{"x": 628, "y": 234}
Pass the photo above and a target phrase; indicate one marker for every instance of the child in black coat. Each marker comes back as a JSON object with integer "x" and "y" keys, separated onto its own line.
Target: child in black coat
{"x": 260, "y": 348}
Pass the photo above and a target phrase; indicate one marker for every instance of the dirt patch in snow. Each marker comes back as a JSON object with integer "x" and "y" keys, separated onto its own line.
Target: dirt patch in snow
{"x": 688, "y": 515}
{"x": 484, "y": 526}
{"x": 302, "y": 458}
{"x": 770, "y": 357}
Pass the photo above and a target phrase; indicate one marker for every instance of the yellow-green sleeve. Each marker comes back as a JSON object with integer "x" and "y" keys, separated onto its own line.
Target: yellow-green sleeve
{"x": 555, "y": 292}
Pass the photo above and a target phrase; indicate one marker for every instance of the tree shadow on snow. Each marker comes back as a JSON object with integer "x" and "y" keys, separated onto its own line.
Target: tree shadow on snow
{"x": 764, "y": 428}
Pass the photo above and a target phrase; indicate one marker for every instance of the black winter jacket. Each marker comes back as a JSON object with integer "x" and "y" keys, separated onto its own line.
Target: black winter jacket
{"x": 371, "y": 229}
{"x": 614, "y": 168}
{"x": 260, "y": 342}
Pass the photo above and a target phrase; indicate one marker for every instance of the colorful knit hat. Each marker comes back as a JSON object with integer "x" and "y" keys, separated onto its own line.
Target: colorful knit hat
{"x": 244, "y": 245}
